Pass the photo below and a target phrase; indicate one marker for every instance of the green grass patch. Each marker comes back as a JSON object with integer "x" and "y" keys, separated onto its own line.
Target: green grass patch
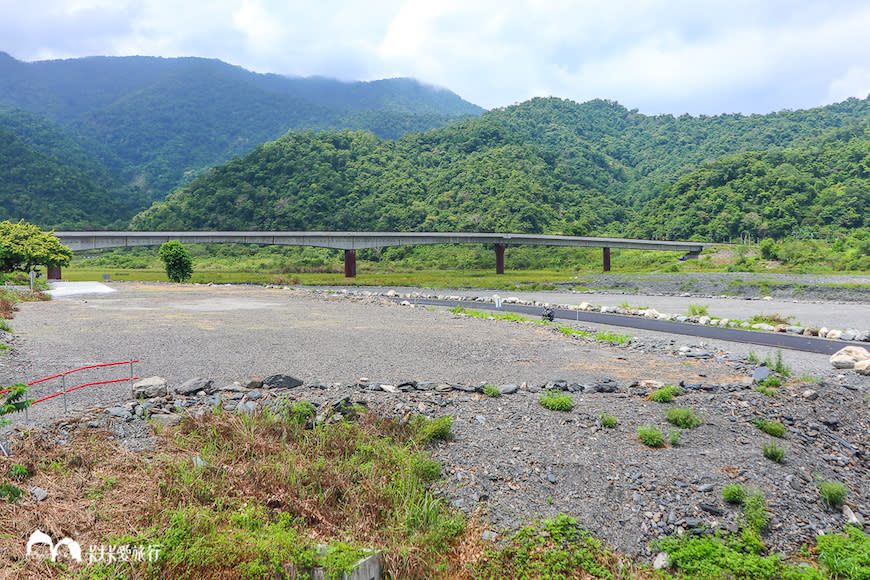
{"x": 556, "y": 401}
{"x": 767, "y": 391}
{"x": 698, "y": 309}
{"x": 773, "y": 451}
{"x": 607, "y": 421}
{"x": 683, "y": 418}
{"x": 674, "y": 437}
{"x": 666, "y": 394}
{"x": 491, "y": 391}
{"x": 433, "y": 429}
{"x": 846, "y": 556}
{"x": 651, "y": 436}
{"x": 833, "y": 492}
{"x": 613, "y": 337}
{"x": 510, "y": 316}
{"x": 734, "y": 493}
{"x": 773, "y": 428}
{"x": 568, "y": 331}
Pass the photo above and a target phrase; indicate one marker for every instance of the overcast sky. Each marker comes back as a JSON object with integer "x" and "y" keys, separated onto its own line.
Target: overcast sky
{"x": 659, "y": 56}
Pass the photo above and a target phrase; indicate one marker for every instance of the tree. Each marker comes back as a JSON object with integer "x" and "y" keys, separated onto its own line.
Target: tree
{"x": 179, "y": 266}
{"x": 23, "y": 246}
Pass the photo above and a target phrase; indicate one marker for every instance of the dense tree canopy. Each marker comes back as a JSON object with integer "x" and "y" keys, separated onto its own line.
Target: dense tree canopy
{"x": 24, "y": 246}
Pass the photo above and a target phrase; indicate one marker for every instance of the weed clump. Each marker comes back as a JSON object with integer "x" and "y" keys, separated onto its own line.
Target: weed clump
{"x": 666, "y": 394}
{"x": 433, "y": 429}
{"x": 555, "y": 401}
{"x": 832, "y": 492}
{"x": 651, "y": 435}
{"x": 607, "y": 421}
{"x": 674, "y": 437}
{"x": 773, "y": 451}
{"x": 734, "y": 493}
{"x": 491, "y": 390}
{"x": 683, "y": 418}
{"x": 773, "y": 428}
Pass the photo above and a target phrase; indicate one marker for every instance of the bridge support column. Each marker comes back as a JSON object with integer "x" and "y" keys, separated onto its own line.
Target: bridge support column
{"x": 499, "y": 258}
{"x": 54, "y": 273}
{"x": 350, "y": 263}
{"x": 606, "y": 256}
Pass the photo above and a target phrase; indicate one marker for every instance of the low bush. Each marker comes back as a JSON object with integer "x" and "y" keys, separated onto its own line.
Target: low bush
{"x": 666, "y": 394}
{"x": 608, "y": 421}
{"x": 773, "y": 428}
{"x": 651, "y": 435}
{"x": 491, "y": 391}
{"x": 833, "y": 492}
{"x": 734, "y": 493}
{"x": 773, "y": 451}
{"x": 555, "y": 401}
{"x": 683, "y": 418}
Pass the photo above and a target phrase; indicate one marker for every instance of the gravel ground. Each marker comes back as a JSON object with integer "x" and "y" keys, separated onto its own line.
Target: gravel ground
{"x": 511, "y": 459}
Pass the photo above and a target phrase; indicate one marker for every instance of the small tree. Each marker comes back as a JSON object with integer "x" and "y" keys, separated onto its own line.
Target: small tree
{"x": 179, "y": 266}
{"x": 23, "y": 246}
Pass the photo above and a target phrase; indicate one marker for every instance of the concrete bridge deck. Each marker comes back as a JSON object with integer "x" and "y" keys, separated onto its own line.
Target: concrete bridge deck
{"x": 352, "y": 241}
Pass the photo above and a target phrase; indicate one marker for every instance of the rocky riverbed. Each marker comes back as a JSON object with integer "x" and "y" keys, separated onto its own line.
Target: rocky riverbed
{"x": 510, "y": 459}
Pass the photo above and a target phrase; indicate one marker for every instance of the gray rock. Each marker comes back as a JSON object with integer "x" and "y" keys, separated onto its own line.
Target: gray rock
{"x": 443, "y": 388}
{"x": 705, "y": 488}
{"x": 246, "y": 407}
{"x": 193, "y": 386}
{"x": 120, "y": 412}
{"x": 508, "y": 389}
{"x": 254, "y": 396}
{"x": 662, "y": 561}
{"x": 149, "y": 388}
{"x": 281, "y": 382}
{"x": 167, "y": 420}
{"x": 489, "y": 536}
{"x": 199, "y": 461}
{"x": 38, "y": 493}
{"x": 253, "y": 382}
{"x": 851, "y": 518}
{"x": 810, "y": 395}
{"x": 760, "y": 373}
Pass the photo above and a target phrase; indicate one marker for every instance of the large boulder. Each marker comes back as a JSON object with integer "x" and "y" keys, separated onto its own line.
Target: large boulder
{"x": 150, "y": 387}
{"x": 194, "y": 386}
{"x": 846, "y": 358}
{"x": 863, "y": 367}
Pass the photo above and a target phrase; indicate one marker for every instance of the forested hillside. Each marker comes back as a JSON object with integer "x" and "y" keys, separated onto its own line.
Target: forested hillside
{"x": 154, "y": 123}
{"x": 549, "y": 165}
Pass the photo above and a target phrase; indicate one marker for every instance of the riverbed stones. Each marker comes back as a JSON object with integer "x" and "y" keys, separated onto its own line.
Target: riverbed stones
{"x": 846, "y": 357}
{"x": 149, "y": 388}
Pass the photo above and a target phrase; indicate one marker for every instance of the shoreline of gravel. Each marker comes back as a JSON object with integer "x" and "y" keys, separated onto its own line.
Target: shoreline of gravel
{"x": 510, "y": 459}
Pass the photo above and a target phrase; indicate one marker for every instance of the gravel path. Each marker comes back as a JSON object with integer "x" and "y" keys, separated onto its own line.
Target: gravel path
{"x": 511, "y": 459}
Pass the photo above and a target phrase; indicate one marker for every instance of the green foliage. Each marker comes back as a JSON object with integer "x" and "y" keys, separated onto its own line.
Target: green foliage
{"x": 491, "y": 391}
{"x": 846, "y": 555}
{"x": 773, "y": 451}
{"x": 651, "y": 435}
{"x": 24, "y": 246}
{"x": 613, "y": 337}
{"x": 555, "y": 549}
{"x": 426, "y": 469}
{"x": 771, "y": 382}
{"x": 556, "y": 401}
{"x": 734, "y": 493}
{"x": 302, "y": 412}
{"x": 18, "y": 471}
{"x": 608, "y": 421}
{"x": 5, "y": 326}
{"x": 769, "y": 426}
{"x": 176, "y": 260}
{"x": 10, "y": 492}
{"x": 683, "y": 417}
{"x": 769, "y": 391}
{"x": 832, "y": 492}
{"x": 698, "y": 309}
{"x": 666, "y": 394}
{"x": 433, "y": 429}
{"x": 13, "y": 401}
{"x": 674, "y": 437}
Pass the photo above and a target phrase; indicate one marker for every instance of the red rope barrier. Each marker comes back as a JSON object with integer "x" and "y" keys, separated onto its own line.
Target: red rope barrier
{"x": 125, "y": 362}
{"x": 84, "y": 385}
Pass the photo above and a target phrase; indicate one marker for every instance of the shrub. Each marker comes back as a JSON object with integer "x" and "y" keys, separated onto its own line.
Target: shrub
{"x": 773, "y": 451}
{"x": 674, "y": 437}
{"x": 698, "y": 309}
{"x": 833, "y": 492}
{"x": 767, "y": 391}
{"x": 302, "y": 411}
{"x": 651, "y": 435}
{"x": 755, "y": 512}
{"x": 683, "y": 418}
{"x": 666, "y": 394}
{"x": 491, "y": 391}
{"x": 18, "y": 472}
{"x": 555, "y": 401}
{"x": 734, "y": 493}
{"x": 774, "y": 428}
{"x": 771, "y": 381}
{"x": 433, "y": 429}
{"x": 608, "y": 421}
{"x": 426, "y": 469}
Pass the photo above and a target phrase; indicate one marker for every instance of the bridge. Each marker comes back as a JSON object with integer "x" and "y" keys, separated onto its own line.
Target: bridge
{"x": 350, "y": 242}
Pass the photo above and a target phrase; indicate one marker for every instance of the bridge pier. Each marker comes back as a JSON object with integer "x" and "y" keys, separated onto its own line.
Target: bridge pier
{"x": 499, "y": 258}
{"x": 606, "y": 256}
{"x": 350, "y": 263}
{"x": 54, "y": 273}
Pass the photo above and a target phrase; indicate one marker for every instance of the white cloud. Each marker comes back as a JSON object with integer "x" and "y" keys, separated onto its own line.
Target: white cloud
{"x": 656, "y": 55}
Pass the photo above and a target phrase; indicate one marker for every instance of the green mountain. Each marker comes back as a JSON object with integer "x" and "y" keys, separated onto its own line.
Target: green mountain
{"x": 155, "y": 123}
{"x": 547, "y": 165}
